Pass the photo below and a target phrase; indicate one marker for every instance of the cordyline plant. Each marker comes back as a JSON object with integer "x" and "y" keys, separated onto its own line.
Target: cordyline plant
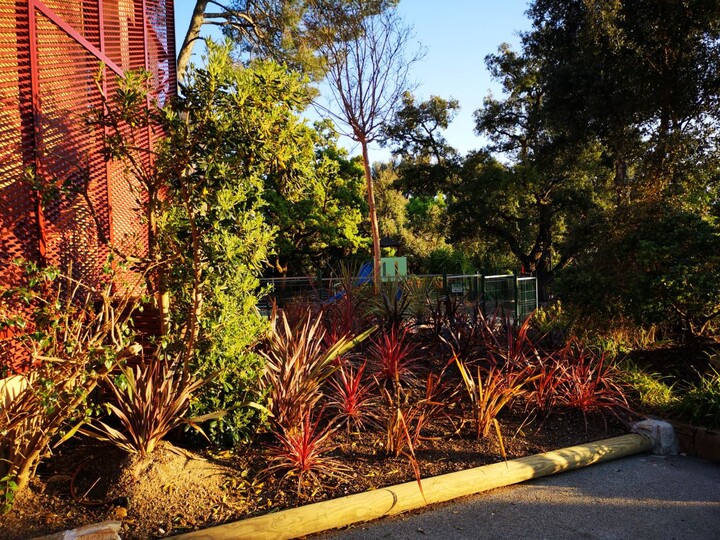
{"x": 393, "y": 358}
{"x": 514, "y": 345}
{"x": 343, "y": 315}
{"x": 544, "y": 391}
{"x": 77, "y": 334}
{"x": 490, "y": 390}
{"x": 351, "y": 398}
{"x": 391, "y": 305}
{"x": 302, "y": 453}
{"x": 297, "y": 366}
{"x": 589, "y": 383}
{"x": 151, "y": 399}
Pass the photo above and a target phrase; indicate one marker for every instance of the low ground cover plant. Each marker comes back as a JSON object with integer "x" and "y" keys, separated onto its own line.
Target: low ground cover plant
{"x": 701, "y": 403}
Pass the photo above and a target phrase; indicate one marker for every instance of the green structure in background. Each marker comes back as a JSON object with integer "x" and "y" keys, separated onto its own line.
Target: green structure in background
{"x": 507, "y": 295}
{"x": 393, "y": 267}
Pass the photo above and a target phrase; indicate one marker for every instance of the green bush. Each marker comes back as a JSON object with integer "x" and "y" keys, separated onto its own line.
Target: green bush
{"x": 222, "y": 143}
{"x": 658, "y": 265}
{"x": 701, "y": 404}
{"x": 652, "y": 392}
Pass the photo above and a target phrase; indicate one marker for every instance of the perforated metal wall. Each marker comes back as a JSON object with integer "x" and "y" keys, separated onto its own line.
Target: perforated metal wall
{"x": 50, "y": 54}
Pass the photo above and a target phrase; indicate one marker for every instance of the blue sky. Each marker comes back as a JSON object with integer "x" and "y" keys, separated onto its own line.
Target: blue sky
{"x": 457, "y": 35}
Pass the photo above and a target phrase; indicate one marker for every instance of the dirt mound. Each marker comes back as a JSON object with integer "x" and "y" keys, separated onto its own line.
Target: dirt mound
{"x": 173, "y": 489}
{"x": 170, "y": 490}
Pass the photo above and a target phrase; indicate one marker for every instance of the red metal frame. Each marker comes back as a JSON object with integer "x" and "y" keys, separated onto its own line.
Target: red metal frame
{"x": 108, "y": 185}
{"x": 70, "y": 31}
{"x": 37, "y": 125}
{"x": 92, "y": 35}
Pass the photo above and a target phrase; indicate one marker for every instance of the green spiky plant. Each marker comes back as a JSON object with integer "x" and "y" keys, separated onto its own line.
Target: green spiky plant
{"x": 297, "y": 366}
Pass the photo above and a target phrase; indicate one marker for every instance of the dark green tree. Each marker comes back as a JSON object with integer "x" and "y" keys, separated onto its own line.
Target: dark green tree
{"x": 642, "y": 77}
{"x": 528, "y": 190}
{"x": 418, "y": 222}
{"x": 415, "y": 135}
{"x": 287, "y": 31}
{"x": 639, "y": 80}
{"x": 320, "y": 212}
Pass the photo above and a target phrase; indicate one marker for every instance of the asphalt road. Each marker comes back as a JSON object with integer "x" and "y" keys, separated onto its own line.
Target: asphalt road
{"x": 639, "y": 497}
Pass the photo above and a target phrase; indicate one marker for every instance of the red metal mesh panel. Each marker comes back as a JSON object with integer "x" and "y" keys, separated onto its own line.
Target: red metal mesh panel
{"x": 124, "y": 36}
{"x": 19, "y": 236}
{"x": 99, "y": 201}
{"x": 81, "y": 15}
{"x": 18, "y": 218}
{"x": 69, "y": 155}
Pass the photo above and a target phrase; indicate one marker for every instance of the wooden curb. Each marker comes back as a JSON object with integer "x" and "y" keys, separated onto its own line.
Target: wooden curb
{"x": 697, "y": 441}
{"x": 394, "y": 500}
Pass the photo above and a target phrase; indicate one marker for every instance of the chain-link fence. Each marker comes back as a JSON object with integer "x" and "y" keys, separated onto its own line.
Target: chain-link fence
{"x": 506, "y": 295}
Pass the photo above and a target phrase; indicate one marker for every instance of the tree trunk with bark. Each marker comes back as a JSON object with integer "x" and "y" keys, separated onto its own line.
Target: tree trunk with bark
{"x": 375, "y": 231}
{"x": 191, "y": 36}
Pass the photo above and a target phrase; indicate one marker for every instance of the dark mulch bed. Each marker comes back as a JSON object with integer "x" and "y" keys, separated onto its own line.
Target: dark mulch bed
{"x": 175, "y": 491}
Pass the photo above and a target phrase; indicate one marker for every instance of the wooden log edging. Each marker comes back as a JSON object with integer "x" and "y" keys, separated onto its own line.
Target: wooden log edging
{"x": 400, "y": 498}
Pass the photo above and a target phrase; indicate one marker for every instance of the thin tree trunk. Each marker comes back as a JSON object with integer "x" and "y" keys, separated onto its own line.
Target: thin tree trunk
{"x": 192, "y": 34}
{"x": 373, "y": 216}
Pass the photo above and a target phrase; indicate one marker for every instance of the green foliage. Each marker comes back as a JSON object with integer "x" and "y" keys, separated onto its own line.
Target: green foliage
{"x": 449, "y": 261}
{"x": 701, "y": 403}
{"x": 290, "y": 31}
{"x": 552, "y": 319}
{"x": 316, "y": 202}
{"x": 653, "y": 393}
{"x": 415, "y": 134}
{"x": 616, "y": 71}
{"x": 670, "y": 272}
{"x": 242, "y": 175}
{"x": 8, "y": 488}
{"x": 419, "y": 223}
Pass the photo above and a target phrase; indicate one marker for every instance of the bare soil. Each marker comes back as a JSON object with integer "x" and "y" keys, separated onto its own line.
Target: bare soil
{"x": 176, "y": 490}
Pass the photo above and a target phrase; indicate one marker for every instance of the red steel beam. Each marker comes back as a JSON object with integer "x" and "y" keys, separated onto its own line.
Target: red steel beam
{"x": 70, "y": 31}
{"x": 37, "y": 125}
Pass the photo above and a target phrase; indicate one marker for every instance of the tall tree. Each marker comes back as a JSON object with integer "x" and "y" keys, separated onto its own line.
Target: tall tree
{"x": 286, "y": 31}
{"x": 642, "y": 76}
{"x": 418, "y": 222}
{"x": 415, "y": 135}
{"x": 640, "y": 81}
{"x": 316, "y": 202}
{"x": 545, "y": 194}
{"x": 367, "y": 74}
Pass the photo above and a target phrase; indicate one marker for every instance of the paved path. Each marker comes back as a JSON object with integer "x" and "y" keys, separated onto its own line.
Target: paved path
{"x": 639, "y": 497}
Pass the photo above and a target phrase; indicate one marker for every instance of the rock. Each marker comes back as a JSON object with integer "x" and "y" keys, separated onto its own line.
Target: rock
{"x": 107, "y": 530}
{"x": 661, "y": 433}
